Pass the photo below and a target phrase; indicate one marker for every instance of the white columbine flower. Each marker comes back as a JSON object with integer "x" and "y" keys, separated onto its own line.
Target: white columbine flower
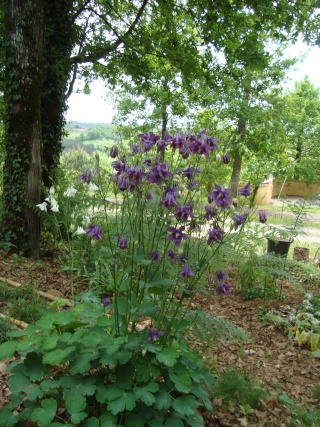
{"x": 79, "y": 230}
{"x": 42, "y": 206}
{"x": 70, "y": 192}
{"x": 51, "y": 191}
{"x": 87, "y": 220}
{"x": 92, "y": 187}
{"x": 54, "y": 207}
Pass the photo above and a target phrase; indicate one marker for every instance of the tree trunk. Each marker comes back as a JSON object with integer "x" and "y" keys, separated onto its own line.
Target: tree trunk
{"x": 22, "y": 92}
{"x": 58, "y": 45}
{"x": 237, "y": 163}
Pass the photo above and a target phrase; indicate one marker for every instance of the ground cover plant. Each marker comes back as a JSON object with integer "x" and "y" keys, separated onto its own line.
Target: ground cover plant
{"x": 147, "y": 246}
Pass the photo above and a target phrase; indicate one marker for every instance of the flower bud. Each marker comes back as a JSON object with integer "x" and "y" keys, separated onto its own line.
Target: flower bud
{"x": 114, "y": 152}
{"x": 218, "y": 158}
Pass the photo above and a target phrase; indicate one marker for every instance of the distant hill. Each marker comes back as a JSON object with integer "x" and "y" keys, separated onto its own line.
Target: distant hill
{"x": 90, "y": 136}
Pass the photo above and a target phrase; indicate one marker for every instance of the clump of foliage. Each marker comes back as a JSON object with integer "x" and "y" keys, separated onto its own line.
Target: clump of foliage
{"x": 302, "y": 416}
{"x": 22, "y": 303}
{"x": 238, "y": 388}
{"x": 146, "y": 243}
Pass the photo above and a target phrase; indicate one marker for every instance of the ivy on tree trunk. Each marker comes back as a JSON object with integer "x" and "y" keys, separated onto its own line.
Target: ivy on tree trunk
{"x": 22, "y": 93}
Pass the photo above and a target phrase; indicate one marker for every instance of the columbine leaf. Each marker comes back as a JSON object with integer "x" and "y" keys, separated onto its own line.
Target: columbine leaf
{"x": 7, "y": 349}
{"x": 126, "y": 401}
{"x": 83, "y": 362}
{"x": 33, "y": 366}
{"x": 173, "y": 422}
{"x": 163, "y": 401}
{"x": 91, "y": 422}
{"x": 18, "y": 382}
{"x": 43, "y": 416}
{"x": 168, "y": 356}
{"x": 185, "y": 405}
{"x": 108, "y": 420}
{"x": 75, "y": 403}
{"x": 56, "y": 356}
{"x": 181, "y": 378}
{"x": 144, "y": 395}
{"x": 135, "y": 420}
{"x": 77, "y": 417}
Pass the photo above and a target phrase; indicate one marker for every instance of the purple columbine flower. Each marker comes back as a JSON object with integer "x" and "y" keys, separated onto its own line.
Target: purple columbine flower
{"x": 221, "y": 275}
{"x": 220, "y": 196}
{"x": 184, "y": 212}
{"x": 154, "y": 335}
{"x": 245, "y": 191}
{"x": 223, "y": 288}
{"x": 135, "y": 176}
{"x": 185, "y": 151}
{"x": 154, "y": 255}
{"x": 226, "y": 158}
{"x": 263, "y": 216}
{"x": 148, "y": 140}
{"x": 122, "y": 242}
{"x": 190, "y": 173}
{"x": 169, "y": 201}
{"x": 106, "y": 301}
{"x": 149, "y": 195}
{"x": 200, "y": 147}
{"x": 212, "y": 143}
{"x": 177, "y": 235}
{"x": 114, "y": 152}
{"x": 186, "y": 271}
{"x": 120, "y": 166}
{"x": 192, "y": 185}
{"x": 238, "y": 220}
{"x": 171, "y": 255}
{"x": 215, "y": 235}
{"x": 135, "y": 149}
{"x": 210, "y": 212}
{"x": 94, "y": 231}
{"x": 159, "y": 173}
{"x": 123, "y": 181}
{"x": 177, "y": 141}
{"x": 85, "y": 177}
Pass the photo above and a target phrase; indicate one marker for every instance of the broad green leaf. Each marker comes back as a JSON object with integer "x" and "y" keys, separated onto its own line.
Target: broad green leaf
{"x": 19, "y": 382}
{"x": 34, "y": 392}
{"x": 195, "y": 420}
{"x": 56, "y": 356}
{"x": 108, "y": 420}
{"x": 180, "y": 375}
{"x": 75, "y": 403}
{"x": 316, "y": 353}
{"x": 43, "y": 416}
{"x": 145, "y": 396}
{"x": 83, "y": 361}
{"x": 173, "y": 422}
{"x": 135, "y": 420}
{"x": 185, "y": 405}
{"x": 143, "y": 373}
{"x": 168, "y": 356}
{"x": 163, "y": 401}
{"x": 113, "y": 392}
{"x": 33, "y": 366}
{"x": 91, "y": 422}
{"x": 8, "y": 416}
{"x": 77, "y": 417}
{"x": 7, "y": 349}
{"x": 122, "y": 403}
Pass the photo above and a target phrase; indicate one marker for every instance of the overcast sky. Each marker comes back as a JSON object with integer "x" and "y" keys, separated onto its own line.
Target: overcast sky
{"x": 94, "y": 109}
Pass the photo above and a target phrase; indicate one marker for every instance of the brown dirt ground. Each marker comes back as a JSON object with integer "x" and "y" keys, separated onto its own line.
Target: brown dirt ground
{"x": 276, "y": 363}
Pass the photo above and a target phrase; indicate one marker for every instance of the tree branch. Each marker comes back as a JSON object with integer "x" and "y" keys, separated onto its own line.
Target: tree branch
{"x": 103, "y": 51}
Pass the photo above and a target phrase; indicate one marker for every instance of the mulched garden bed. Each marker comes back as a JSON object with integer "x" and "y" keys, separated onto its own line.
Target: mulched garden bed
{"x": 276, "y": 363}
